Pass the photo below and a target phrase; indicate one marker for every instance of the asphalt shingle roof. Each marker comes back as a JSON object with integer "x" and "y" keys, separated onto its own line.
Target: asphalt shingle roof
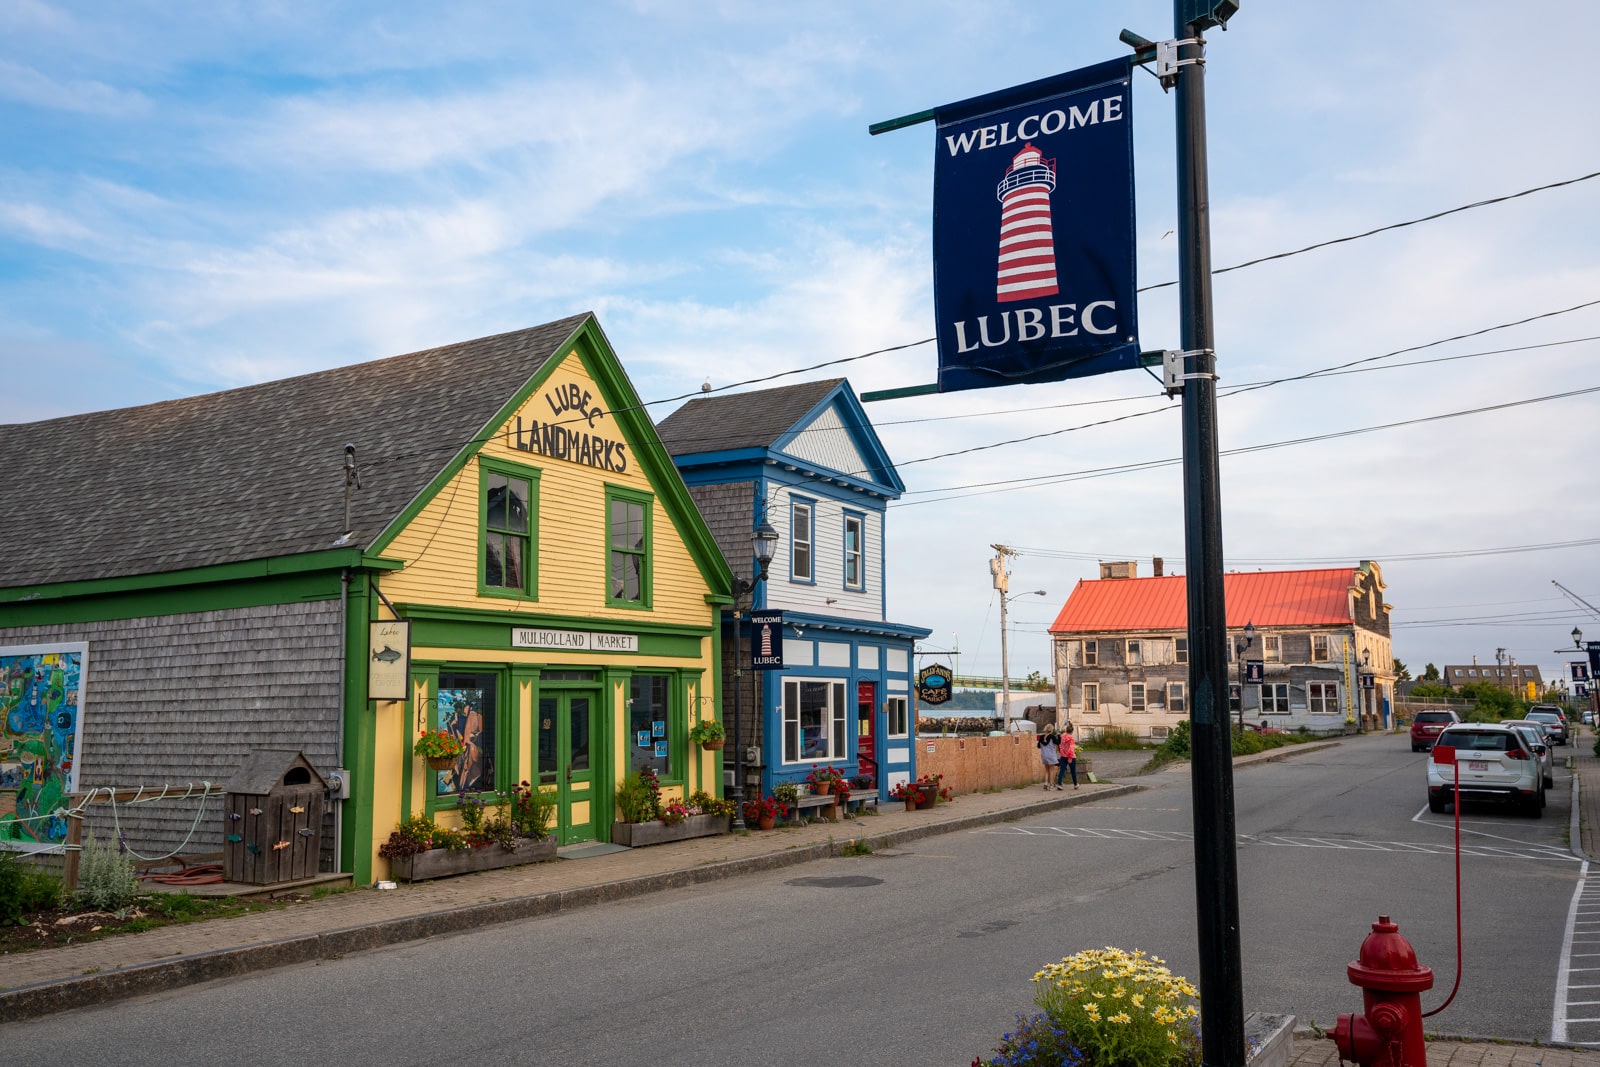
{"x": 740, "y": 420}
{"x": 251, "y": 473}
{"x": 1265, "y": 598}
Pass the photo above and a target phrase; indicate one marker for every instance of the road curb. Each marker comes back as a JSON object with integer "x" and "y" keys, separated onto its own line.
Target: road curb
{"x": 66, "y": 994}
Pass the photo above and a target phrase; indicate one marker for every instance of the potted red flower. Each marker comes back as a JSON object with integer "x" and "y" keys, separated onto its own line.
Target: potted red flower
{"x": 764, "y": 812}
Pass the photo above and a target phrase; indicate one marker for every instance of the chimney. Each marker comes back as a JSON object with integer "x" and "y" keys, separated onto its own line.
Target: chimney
{"x": 1474, "y": 661}
{"x": 1120, "y": 569}
{"x": 1156, "y": 566}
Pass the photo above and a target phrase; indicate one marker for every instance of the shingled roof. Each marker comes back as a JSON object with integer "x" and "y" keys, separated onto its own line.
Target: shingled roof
{"x": 737, "y": 421}
{"x": 251, "y": 473}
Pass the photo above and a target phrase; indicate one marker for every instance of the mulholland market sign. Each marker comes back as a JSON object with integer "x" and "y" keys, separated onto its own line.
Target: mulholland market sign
{"x": 1033, "y": 252}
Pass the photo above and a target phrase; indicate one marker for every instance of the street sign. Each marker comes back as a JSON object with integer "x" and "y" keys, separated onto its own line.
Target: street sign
{"x": 389, "y": 668}
{"x": 1580, "y": 670}
{"x": 1255, "y": 671}
{"x": 1033, "y": 262}
{"x": 766, "y": 640}
{"x": 1594, "y": 658}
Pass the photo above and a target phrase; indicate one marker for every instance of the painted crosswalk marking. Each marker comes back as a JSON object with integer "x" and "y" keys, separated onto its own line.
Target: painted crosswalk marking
{"x": 1426, "y": 848}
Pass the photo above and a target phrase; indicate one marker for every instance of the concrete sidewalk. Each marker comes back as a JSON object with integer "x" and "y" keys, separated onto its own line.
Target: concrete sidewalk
{"x": 59, "y": 979}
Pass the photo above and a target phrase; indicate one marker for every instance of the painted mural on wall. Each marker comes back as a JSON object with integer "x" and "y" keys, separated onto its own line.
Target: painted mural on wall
{"x": 41, "y": 701}
{"x": 467, "y": 713}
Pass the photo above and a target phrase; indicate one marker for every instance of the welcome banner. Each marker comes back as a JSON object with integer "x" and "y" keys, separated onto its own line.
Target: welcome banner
{"x": 1033, "y": 253}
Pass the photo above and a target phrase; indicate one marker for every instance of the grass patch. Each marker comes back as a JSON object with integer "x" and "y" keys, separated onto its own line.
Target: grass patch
{"x": 858, "y": 847}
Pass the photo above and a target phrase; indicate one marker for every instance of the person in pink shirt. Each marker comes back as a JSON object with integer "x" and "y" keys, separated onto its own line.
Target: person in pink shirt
{"x": 1069, "y": 757}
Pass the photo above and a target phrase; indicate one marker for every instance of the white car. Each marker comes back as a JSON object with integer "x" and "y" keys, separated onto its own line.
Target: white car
{"x": 1493, "y": 762}
{"x": 1533, "y": 732}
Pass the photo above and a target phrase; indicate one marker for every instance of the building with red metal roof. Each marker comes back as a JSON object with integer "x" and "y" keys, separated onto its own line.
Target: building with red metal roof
{"x": 1318, "y": 640}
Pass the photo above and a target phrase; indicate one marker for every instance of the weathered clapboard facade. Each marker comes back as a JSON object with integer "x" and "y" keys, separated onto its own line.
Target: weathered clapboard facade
{"x": 805, "y": 459}
{"x": 1121, "y": 653}
{"x": 225, "y": 558}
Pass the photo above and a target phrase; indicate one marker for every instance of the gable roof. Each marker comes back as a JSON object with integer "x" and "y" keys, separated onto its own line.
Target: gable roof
{"x": 257, "y": 472}
{"x": 1263, "y": 598}
{"x": 819, "y": 426}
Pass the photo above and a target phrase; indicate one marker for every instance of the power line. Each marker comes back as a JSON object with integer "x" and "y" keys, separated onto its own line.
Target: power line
{"x": 1391, "y": 226}
{"x": 1009, "y": 484}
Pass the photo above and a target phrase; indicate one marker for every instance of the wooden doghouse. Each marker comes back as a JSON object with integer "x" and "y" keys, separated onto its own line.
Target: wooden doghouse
{"x": 273, "y": 819}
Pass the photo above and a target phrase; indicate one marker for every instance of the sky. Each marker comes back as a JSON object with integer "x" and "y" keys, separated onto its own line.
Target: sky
{"x": 198, "y": 196}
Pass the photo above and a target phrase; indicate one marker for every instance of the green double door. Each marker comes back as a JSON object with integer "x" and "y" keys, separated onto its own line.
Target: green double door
{"x": 568, "y": 759}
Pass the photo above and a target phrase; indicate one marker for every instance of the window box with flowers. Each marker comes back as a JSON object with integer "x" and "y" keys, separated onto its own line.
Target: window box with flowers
{"x": 439, "y": 747}
{"x": 504, "y": 831}
{"x": 643, "y": 818}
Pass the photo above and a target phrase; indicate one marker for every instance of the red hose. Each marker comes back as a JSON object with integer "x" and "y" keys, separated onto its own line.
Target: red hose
{"x": 1457, "y": 986}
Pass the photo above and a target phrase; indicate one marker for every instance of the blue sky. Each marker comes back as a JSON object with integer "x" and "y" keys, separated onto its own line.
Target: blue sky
{"x": 199, "y": 196}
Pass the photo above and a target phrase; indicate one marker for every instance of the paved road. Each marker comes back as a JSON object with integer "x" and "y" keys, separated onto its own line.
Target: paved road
{"x": 923, "y": 953}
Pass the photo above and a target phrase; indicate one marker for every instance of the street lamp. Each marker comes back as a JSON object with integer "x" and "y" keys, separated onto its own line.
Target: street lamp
{"x": 1240, "y": 650}
{"x": 1577, "y": 638}
{"x": 1005, "y": 664}
{"x": 1366, "y": 661}
{"x": 762, "y": 540}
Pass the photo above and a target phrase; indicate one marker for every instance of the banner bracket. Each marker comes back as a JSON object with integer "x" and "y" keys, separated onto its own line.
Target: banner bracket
{"x": 1173, "y": 369}
{"x": 1168, "y": 64}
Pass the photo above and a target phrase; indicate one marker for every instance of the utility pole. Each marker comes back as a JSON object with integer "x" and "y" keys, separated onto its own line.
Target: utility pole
{"x": 1002, "y": 582}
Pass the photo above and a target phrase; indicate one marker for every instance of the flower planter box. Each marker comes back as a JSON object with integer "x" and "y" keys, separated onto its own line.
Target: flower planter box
{"x": 444, "y": 862}
{"x": 639, "y": 834}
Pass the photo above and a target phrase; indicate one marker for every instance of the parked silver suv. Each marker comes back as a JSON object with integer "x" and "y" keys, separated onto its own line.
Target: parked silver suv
{"x": 1493, "y": 763}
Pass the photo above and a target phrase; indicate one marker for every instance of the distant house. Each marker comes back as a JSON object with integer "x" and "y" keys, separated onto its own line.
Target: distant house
{"x": 805, "y": 459}
{"x": 1121, "y": 650}
{"x": 1516, "y": 677}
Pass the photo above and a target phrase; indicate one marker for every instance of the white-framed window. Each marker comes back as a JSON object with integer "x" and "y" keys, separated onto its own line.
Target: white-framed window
{"x": 1322, "y": 698}
{"x": 1320, "y": 651}
{"x": 814, "y": 723}
{"x": 801, "y": 565}
{"x": 854, "y": 566}
{"x": 1275, "y": 698}
{"x": 1136, "y": 700}
{"x": 1177, "y": 698}
{"x": 1091, "y": 697}
{"x": 1180, "y": 650}
{"x": 1135, "y": 651}
{"x": 1091, "y": 653}
{"x": 1271, "y": 647}
{"x": 1159, "y": 733}
{"x": 895, "y": 711}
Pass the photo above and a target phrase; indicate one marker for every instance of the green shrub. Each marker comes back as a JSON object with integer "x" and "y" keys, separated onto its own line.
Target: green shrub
{"x": 24, "y": 889}
{"x": 1115, "y": 737}
{"x": 106, "y": 878}
{"x": 639, "y": 797}
{"x": 1176, "y": 746}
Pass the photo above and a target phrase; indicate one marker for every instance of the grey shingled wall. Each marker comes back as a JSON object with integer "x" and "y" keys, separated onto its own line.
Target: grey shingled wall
{"x": 176, "y": 699}
{"x": 729, "y": 511}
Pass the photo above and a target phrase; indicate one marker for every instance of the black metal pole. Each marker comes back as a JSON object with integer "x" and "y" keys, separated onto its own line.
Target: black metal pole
{"x": 738, "y": 737}
{"x": 1215, "y": 862}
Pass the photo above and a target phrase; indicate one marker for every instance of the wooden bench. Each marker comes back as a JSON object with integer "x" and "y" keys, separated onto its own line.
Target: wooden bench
{"x": 856, "y": 802}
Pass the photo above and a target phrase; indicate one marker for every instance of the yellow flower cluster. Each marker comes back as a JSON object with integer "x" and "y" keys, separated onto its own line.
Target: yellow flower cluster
{"x": 1129, "y": 991}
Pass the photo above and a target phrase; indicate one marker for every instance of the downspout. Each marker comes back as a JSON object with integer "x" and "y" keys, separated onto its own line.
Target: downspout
{"x": 344, "y": 671}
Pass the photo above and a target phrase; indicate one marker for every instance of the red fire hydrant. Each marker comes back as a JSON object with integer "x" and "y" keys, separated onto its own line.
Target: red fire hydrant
{"x": 1389, "y": 1033}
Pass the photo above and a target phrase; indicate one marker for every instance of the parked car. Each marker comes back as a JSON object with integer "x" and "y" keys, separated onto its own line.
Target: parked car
{"x": 1427, "y": 726}
{"x": 1533, "y": 731}
{"x": 1493, "y": 763}
{"x": 1551, "y": 714}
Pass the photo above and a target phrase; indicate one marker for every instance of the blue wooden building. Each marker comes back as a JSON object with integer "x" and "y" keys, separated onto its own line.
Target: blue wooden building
{"x": 805, "y": 460}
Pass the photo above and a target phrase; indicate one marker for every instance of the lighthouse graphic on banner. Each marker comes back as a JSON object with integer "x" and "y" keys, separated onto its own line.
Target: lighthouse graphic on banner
{"x": 1027, "y": 266}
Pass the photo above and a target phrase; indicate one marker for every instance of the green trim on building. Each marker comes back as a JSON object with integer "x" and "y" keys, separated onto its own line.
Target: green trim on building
{"x": 333, "y": 559}
{"x": 530, "y": 560}
{"x": 617, "y": 494}
{"x": 176, "y": 600}
{"x": 360, "y": 733}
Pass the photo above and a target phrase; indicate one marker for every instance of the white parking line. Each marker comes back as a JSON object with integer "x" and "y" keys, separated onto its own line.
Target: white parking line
{"x": 1413, "y": 848}
{"x": 1558, "y": 1018}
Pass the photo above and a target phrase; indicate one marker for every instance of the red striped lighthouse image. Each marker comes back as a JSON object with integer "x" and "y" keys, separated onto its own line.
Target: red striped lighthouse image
{"x": 1027, "y": 266}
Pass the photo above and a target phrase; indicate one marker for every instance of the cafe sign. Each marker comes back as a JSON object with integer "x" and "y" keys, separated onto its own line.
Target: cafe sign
{"x": 934, "y": 684}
